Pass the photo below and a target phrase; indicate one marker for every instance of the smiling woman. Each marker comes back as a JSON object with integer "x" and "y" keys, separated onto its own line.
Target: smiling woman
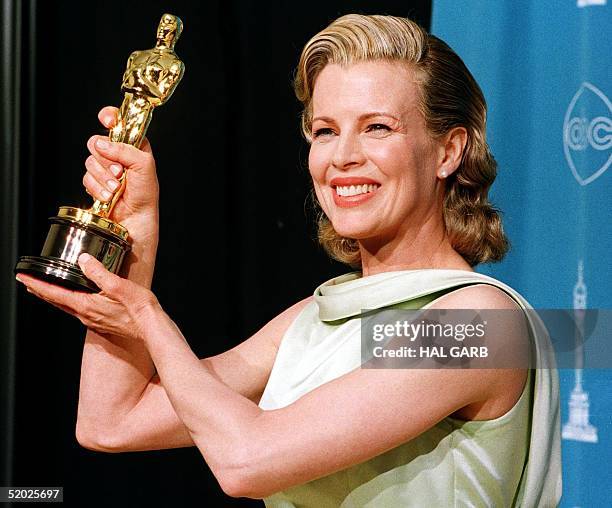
{"x": 401, "y": 169}
{"x": 425, "y": 94}
{"x": 367, "y": 129}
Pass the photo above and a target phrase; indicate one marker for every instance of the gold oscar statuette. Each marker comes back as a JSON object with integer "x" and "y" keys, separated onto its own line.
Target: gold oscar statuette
{"x": 149, "y": 80}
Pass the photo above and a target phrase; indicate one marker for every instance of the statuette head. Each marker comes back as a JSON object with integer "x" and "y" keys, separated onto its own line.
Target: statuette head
{"x": 169, "y": 30}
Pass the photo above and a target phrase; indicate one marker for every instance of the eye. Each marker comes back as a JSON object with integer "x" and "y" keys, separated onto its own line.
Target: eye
{"x": 378, "y": 127}
{"x": 325, "y": 131}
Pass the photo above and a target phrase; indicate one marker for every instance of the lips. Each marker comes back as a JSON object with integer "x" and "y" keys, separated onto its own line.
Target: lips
{"x": 353, "y": 191}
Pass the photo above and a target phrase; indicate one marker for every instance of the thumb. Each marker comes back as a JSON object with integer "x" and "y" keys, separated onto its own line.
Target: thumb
{"x": 108, "y": 282}
{"x": 108, "y": 116}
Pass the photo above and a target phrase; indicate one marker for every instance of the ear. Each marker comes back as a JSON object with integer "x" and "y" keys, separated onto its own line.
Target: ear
{"x": 452, "y": 147}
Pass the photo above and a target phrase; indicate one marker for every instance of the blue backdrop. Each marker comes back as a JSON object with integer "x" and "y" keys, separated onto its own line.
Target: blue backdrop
{"x": 545, "y": 71}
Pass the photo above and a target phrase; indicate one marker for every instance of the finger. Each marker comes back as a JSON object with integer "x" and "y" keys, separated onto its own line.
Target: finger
{"x": 127, "y": 155}
{"x": 52, "y": 293}
{"x": 95, "y": 188}
{"x": 107, "y": 176}
{"x": 64, "y": 308}
{"x": 108, "y": 116}
{"x": 104, "y": 176}
{"x": 61, "y": 307}
{"x": 113, "y": 166}
{"x": 108, "y": 282}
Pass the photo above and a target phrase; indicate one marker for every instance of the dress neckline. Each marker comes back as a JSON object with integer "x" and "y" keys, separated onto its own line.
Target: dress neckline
{"x": 350, "y": 294}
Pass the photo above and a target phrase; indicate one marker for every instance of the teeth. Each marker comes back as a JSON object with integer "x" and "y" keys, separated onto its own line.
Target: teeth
{"x": 355, "y": 190}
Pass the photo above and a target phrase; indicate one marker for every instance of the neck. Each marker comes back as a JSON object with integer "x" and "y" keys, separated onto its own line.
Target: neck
{"x": 415, "y": 247}
{"x": 162, "y": 44}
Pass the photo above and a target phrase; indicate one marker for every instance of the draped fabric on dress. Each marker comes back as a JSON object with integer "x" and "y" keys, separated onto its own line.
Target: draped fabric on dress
{"x": 513, "y": 460}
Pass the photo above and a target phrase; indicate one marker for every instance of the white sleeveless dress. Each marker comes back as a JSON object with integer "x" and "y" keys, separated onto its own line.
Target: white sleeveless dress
{"x": 513, "y": 460}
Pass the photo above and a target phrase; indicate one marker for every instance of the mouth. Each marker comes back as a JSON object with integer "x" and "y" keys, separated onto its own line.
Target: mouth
{"x": 354, "y": 191}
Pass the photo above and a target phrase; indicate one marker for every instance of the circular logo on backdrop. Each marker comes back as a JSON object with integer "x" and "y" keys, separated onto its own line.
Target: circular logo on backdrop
{"x": 587, "y": 134}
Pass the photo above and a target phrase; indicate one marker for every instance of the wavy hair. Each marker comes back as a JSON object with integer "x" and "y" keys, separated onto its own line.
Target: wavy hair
{"x": 450, "y": 97}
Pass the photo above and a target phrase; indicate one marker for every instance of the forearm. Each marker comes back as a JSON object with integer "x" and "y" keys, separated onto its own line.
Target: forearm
{"x": 115, "y": 371}
{"x": 219, "y": 419}
{"x": 114, "y": 374}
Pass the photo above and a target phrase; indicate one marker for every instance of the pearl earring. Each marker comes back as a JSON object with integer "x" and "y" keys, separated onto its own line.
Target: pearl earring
{"x": 442, "y": 174}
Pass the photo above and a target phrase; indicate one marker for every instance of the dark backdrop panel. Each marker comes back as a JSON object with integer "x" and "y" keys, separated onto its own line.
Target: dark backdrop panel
{"x": 236, "y": 237}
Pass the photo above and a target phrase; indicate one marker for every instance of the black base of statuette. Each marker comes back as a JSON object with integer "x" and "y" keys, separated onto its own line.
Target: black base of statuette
{"x": 56, "y": 271}
{"x": 72, "y": 232}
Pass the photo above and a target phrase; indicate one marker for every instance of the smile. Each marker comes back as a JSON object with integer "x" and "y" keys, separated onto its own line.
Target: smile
{"x": 355, "y": 190}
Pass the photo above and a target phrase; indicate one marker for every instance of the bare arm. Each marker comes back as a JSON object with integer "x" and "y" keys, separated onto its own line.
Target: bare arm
{"x": 255, "y": 453}
{"x": 137, "y": 413}
{"x": 111, "y": 357}
{"x": 122, "y": 405}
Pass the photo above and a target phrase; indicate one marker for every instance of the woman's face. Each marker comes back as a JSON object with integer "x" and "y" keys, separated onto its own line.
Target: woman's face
{"x": 372, "y": 161}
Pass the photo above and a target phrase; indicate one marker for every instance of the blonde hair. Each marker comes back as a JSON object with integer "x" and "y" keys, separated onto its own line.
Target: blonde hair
{"x": 450, "y": 97}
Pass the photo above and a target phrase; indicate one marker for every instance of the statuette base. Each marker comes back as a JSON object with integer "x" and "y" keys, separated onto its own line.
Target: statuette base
{"x": 72, "y": 232}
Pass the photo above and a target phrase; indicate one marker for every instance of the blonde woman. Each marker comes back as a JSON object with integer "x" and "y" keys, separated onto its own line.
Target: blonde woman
{"x": 400, "y": 169}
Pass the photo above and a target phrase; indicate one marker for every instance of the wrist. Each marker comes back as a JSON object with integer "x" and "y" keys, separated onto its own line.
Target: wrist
{"x": 152, "y": 318}
{"x": 139, "y": 268}
{"x": 139, "y": 263}
{"x": 143, "y": 227}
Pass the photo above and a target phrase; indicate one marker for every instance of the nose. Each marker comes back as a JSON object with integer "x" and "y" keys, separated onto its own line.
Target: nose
{"x": 348, "y": 152}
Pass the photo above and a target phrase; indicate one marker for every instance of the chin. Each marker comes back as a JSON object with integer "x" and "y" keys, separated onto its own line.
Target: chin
{"x": 354, "y": 229}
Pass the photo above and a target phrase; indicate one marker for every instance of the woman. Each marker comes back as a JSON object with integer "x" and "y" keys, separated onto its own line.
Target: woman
{"x": 400, "y": 169}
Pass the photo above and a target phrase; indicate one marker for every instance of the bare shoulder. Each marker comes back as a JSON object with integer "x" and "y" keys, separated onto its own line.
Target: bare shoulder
{"x": 507, "y": 324}
{"x": 277, "y": 327}
{"x": 477, "y": 296}
{"x": 507, "y": 336}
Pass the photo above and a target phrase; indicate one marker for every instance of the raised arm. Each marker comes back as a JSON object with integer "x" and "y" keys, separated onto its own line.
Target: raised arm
{"x": 127, "y": 365}
{"x": 122, "y": 405}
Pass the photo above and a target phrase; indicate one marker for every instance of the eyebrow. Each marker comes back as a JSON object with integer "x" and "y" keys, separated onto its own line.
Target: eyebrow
{"x": 365, "y": 116}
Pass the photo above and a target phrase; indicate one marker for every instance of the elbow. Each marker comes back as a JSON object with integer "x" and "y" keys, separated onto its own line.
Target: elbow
{"x": 232, "y": 485}
{"x": 92, "y": 438}
{"x": 242, "y": 475}
{"x": 238, "y": 484}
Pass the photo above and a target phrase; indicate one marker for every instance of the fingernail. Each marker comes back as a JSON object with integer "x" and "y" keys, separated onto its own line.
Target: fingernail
{"x": 18, "y": 278}
{"x": 112, "y": 184}
{"x": 84, "y": 257}
{"x": 102, "y": 144}
{"x": 106, "y": 195}
{"x": 115, "y": 169}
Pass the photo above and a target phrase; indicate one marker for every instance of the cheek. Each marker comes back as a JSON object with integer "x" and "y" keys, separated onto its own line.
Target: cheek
{"x": 317, "y": 163}
{"x": 401, "y": 159}
{"x": 394, "y": 160}
{"x": 316, "y": 167}
{"x": 320, "y": 199}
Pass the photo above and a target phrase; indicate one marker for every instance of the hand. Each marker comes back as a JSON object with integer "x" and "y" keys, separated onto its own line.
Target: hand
{"x": 107, "y": 162}
{"x": 119, "y": 309}
{"x": 138, "y": 207}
